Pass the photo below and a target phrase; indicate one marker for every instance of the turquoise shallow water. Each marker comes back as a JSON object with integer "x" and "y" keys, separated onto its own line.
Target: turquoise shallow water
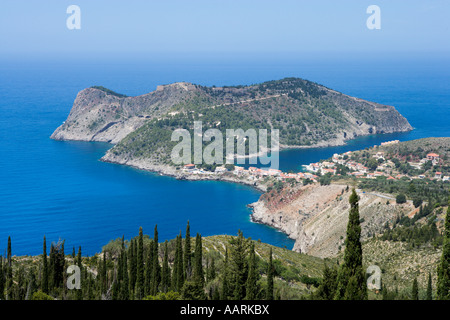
{"x": 60, "y": 189}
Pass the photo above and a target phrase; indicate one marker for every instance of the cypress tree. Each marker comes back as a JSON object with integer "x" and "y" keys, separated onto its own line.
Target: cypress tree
{"x": 117, "y": 294}
{"x": 156, "y": 272}
{"x": 9, "y": 252}
{"x": 181, "y": 274}
{"x": 165, "y": 274}
{"x": 443, "y": 270}
{"x": 178, "y": 271}
{"x": 327, "y": 288}
{"x": 429, "y": 288}
{"x": 133, "y": 266}
{"x": 125, "y": 294}
{"x": 51, "y": 282}
{"x": 104, "y": 274}
{"x": 212, "y": 270}
{"x": 225, "y": 278}
{"x": 2, "y": 280}
{"x": 175, "y": 267}
{"x": 20, "y": 292}
{"x": 148, "y": 270}
{"x": 270, "y": 275}
{"x": 252, "y": 279}
{"x": 80, "y": 265}
{"x": 116, "y": 289}
{"x": 199, "y": 277}
{"x": 57, "y": 265}
{"x": 9, "y": 275}
{"x": 239, "y": 250}
{"x": 140, "y": 266}
{"x": 44, "y": 285}
{"x": 187, "y": 253}
{"x": 351, "y": 278}
{"x": 415, "y": 290}
{"x": 31, "y": 286}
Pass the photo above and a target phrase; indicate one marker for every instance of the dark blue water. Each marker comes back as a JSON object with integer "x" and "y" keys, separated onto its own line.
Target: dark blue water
{"x": 60, "y": 189}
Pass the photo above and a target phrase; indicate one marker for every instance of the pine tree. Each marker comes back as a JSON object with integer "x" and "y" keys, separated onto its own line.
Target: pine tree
{"x": 351, "y": 278}
{"x": 165, "y": 273}
{"x": 429, "y": 287}
{"x": 415, "y": 290}
{"x": 44, "y": 285}
{"x": 443, "y": 282}
{"x": 198, "y": 260}
{"x": 140, "y": 266}
{"x": 270, "y": 275}
{"x": 253, "y": 276}
{"x": 187, "y": 253}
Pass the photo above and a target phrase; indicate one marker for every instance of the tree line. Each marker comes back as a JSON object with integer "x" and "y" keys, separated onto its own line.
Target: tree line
{"x": 140, "y": 269}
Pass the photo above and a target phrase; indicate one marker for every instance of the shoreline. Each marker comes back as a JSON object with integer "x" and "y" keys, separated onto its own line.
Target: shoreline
{"x": 169, "y": 171}
{"x": 258, "y": 211}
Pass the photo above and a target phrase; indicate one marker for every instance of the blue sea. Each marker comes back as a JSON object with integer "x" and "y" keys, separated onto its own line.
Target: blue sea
{"x": 62, "y": 190}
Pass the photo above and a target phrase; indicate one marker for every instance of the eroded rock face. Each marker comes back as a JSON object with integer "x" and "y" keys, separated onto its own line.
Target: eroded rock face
{"x": 97, "y": 115}
{"x": 317, "y": 216}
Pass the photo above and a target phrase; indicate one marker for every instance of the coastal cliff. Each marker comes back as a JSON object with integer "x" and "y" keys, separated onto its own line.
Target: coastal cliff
{"x": 305, "y": 113}
{"x": 316, "y": 216}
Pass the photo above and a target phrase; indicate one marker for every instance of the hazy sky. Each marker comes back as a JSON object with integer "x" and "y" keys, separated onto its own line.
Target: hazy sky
{"x": 30, "y": 27}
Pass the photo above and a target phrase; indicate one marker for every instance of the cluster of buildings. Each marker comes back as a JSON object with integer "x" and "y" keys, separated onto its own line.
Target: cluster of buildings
{"x": 385, "y": 167}
{"x": 253, "y": 173}
{"x": 312, "y": 171}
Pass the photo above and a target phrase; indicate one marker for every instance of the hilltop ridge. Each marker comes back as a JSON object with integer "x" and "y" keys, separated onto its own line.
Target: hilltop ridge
{"x": 305, "y": 113}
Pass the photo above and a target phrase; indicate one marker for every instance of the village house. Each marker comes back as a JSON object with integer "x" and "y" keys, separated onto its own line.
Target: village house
{"x": 189, "y": 167}
{"x": 332, "y": 171}
{"x": 239, "y": 170}
{"x": 433, "y": 157}
{"x": 327, "y": 164}
{"x": 274, "y": 172}
{"x": 220, "y": 169}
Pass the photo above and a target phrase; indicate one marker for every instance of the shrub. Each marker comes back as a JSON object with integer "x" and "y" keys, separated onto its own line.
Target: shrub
{"x": 401, "y": 198}
{"x": 39, "y": 295}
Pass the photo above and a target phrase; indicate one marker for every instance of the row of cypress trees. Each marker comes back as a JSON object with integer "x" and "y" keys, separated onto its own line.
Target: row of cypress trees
{"x": 141, "y": 269}
{"x": 137, "y": 273}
